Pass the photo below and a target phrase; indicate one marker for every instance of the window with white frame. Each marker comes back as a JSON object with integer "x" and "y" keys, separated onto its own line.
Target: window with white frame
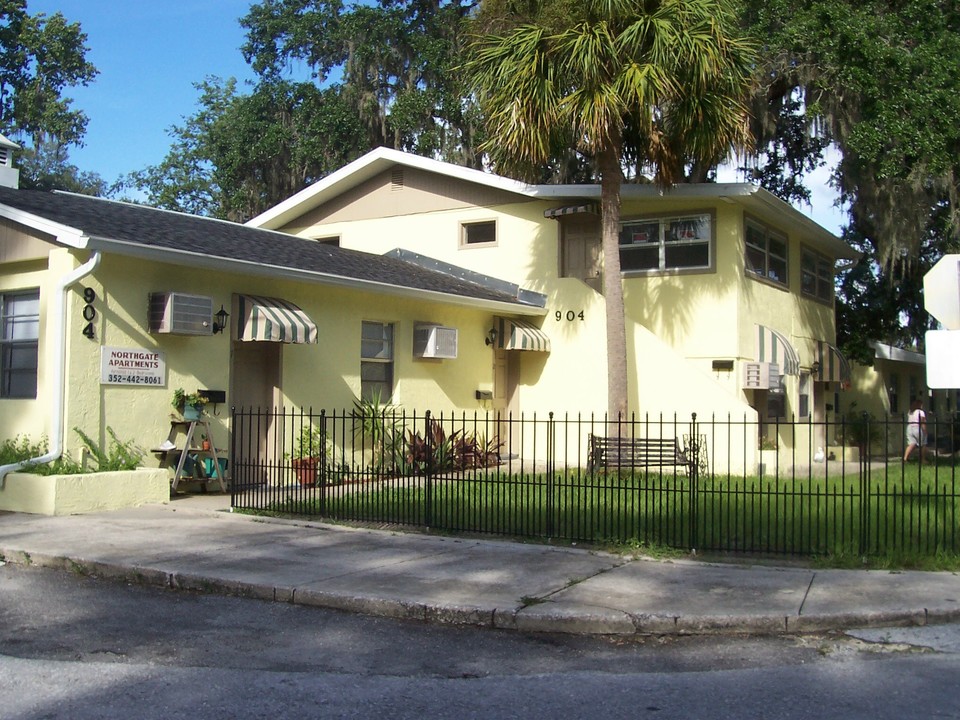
{"x": 816, "y": 275}
{"x": 376, "y": 361}
{"x": 19, "y": 344}
{"x": 478, "y": 233}
{"x": 766, "y": 253}
{"x": 667, "y": 243}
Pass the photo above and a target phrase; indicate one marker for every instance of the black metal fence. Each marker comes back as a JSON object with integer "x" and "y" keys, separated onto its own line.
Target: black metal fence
{"x": 730, "y": 486}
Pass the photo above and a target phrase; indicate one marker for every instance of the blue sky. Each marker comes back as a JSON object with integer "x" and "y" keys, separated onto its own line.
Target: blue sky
{"x": 151, "y": 52}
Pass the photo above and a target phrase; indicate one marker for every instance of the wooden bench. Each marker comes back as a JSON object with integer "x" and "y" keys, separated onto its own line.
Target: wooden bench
{"x": 627, "y": 452}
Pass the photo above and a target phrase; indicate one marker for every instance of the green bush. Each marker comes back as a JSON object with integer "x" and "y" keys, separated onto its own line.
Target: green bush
{"x": 119, "y": 456}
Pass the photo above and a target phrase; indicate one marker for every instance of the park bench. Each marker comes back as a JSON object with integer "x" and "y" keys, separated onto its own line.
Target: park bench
{"x": 630, "y": 452}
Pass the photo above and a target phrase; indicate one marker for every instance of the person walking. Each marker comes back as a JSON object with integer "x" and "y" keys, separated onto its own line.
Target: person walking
{"x": 916, "y": 430}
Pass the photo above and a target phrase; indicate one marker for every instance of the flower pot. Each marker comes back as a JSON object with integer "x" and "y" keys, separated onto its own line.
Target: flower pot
{"x": 191, "y": 412}
{"x": 306, "y": 470}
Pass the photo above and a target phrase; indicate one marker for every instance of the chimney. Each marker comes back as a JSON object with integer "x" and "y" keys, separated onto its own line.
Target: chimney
{"x": 9, "y": 175}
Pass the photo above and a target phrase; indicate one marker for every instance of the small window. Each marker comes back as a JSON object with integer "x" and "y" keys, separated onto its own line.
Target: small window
{"x": 19, "y": 344}
{"x": 766, "y": 253}
{"x": 376, "y": 361}
{"x": 803, "y": 406}
{"x": 478, "y": 233}
{"x": 670, "y": 243}
{"x": 893, "y": 393}
{"x": 333, "y": 241}
{"x": 816, "y": 275}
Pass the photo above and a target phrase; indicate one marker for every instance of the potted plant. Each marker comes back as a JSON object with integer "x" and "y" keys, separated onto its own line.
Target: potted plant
{"x": 190, "y": 405}
{"x": 308, "y": 455}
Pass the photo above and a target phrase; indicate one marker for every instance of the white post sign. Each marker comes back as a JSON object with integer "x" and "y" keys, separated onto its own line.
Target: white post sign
{"x": 132, "y": 366}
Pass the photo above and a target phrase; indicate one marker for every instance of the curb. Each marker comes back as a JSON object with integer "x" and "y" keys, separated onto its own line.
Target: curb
{"x": 538, "y": 618}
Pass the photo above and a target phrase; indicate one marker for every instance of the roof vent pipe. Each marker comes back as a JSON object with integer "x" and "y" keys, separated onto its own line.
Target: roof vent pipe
{"x": 9, "y": 175}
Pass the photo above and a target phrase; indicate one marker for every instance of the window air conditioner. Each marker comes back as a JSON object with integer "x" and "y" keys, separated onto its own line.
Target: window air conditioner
{"x": 434, "y": 341}
{"x": 181, "y": 314}
{"x": 761, "y": 376}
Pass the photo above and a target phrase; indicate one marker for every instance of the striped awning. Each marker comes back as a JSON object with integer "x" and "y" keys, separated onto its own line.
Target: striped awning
{"x": 589, "y": 207}
{"x": 265, "y": 319}
{"x": 513, "y": 334}
{"x": 833, "y": 365}
{"x": 772, "y": 347}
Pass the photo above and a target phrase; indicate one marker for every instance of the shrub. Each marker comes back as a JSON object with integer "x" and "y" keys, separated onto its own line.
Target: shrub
{"x": 120, "y": 456}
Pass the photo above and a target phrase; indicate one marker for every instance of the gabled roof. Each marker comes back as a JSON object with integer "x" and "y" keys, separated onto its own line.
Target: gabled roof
{"x": 375, "y": 162}
{"x": 85, "y": 222}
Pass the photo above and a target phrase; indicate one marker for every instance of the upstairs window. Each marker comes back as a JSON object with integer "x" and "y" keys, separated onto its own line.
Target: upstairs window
{"x": 19, "y": 343}
{"x": 669, "y": 243}
{"x": 766, "y": 253}
{"x": 376, "y": 361}
{"x": 816, "y": 275}
{"x": 478, "y": 233}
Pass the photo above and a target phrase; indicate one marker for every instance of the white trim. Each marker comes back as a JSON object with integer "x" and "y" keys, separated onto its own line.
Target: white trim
{"x": 883, "y": 351}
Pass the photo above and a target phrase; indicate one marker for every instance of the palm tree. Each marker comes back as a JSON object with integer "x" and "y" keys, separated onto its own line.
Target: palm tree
{"x": 662, "y": 83}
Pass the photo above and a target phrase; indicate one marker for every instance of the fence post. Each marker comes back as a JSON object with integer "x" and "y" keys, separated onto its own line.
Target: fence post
{"x": 864, "y": 472}
{"x": 694, "y": 471}
{"x": 551, "y": 463}
{"x": 428, "y": 473}
{"x": 322, "y": 477}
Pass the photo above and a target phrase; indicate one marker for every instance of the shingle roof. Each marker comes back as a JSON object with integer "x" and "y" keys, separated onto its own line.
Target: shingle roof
{"x": 142, "y": 226}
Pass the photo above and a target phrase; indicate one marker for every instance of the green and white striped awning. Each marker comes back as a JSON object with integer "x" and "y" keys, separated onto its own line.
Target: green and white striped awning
{"x": 513, "y": 334}
{"x": 265, "y": 319}
{"x": 833, "y": 365}
{"x": 772, "y": 347}
{"x": 586, "y": 207}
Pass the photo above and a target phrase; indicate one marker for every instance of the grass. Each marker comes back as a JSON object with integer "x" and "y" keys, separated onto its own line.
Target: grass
{"x": 901, "y": 517}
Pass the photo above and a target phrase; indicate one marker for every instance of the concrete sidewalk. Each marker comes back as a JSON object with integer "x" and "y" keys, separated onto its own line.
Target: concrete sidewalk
{"x": 194, "y": 543}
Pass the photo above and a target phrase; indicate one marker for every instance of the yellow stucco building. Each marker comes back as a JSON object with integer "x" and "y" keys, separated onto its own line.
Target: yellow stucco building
{"x": 443, "y": 288}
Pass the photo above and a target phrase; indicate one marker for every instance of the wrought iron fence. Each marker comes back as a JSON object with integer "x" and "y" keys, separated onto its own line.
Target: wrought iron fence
{"x": 807, "y": 488}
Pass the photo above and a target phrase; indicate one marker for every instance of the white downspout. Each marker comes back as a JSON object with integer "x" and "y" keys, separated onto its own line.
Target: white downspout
{"x": 60, "y": 370}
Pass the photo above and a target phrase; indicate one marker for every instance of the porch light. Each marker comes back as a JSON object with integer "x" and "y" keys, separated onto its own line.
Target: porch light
{"x": 491, "y": 336}
{"x": 220, "y": 323}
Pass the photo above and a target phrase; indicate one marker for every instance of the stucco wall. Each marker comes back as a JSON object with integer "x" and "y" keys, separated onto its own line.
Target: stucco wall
{"x": 92, "y": 492}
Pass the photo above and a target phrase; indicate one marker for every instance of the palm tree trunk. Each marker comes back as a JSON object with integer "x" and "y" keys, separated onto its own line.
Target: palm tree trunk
{"x": 610, "y": 181}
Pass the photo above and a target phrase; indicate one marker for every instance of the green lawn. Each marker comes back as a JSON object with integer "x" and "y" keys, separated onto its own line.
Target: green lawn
{"x": 898, "y": 511}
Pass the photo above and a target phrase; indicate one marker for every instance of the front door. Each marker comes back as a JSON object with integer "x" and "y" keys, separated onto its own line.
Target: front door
{"x": 506, "y": 379}
{"x": 255, "y": 387}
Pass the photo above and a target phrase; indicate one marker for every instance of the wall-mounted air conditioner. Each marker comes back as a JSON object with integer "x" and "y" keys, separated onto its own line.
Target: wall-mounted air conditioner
{"x": 434, "y": 341}
{"x": 761, "y": 376}
{"x": 181, "y": 314}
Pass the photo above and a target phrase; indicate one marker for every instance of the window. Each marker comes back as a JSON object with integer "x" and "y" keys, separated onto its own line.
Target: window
{"x": 376, "y": 361}
{"x": 803, "y": 406}
{"x": 670, "y": 243}
{"x": 893, "y": 393}
{"x": 333, "y": 241}
{"x": 20, "y": 319}
{"x": 816, "y": 275}
{"x": 478, "y": 233}
{"x": 777, "y": 402}
{"x": 766, "y": 253}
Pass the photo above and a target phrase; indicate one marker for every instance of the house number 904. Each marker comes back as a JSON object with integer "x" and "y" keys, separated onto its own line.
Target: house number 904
{"x": 89, "y": 312}
{"x": 569, "y": 316}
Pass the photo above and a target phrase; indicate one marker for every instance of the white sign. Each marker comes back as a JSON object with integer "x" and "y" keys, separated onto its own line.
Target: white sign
{"x": 943, "y": 359}
{"x": 132, "y": 366}
{"x": 941, "y": 291}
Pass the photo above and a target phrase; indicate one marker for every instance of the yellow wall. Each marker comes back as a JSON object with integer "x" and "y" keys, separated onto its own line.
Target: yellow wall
{"x": 324, "y": 375}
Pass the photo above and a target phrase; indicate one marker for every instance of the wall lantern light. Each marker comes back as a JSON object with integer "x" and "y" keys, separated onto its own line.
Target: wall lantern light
{"x": 220, "y": 323}
{"x": 491, "y": 336}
